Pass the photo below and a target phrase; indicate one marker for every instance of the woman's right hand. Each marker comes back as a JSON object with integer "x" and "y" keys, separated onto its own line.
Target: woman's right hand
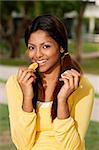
{"x": 25, "y": 79}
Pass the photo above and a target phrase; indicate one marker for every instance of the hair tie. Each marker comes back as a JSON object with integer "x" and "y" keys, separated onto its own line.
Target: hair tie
{"x": 66, "y": 54}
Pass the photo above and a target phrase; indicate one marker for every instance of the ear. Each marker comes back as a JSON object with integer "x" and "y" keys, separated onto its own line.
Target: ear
{"x": 61, "y": 50}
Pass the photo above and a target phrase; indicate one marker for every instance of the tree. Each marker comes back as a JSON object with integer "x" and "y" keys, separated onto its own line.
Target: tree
{"x": 78, "y": 28}
{"x": 12, "y": 29}
{"x": 12, "y": 26}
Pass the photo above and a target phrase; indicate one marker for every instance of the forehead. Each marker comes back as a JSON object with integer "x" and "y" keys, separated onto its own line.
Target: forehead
{"x": 39, "y": 35}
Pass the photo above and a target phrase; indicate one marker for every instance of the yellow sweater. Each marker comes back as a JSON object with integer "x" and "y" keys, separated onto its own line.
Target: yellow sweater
{"x": 31, "y": 131}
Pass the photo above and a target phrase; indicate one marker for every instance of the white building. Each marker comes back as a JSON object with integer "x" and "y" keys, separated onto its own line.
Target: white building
{"x": 91, "y": 14}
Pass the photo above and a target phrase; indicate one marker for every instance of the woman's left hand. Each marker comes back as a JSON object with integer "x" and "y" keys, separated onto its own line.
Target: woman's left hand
{"x": 71, "y": 81}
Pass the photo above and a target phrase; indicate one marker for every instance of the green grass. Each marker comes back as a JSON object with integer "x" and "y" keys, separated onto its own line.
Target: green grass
{"x": 86, "y": 47}
{"x": 13, "y": 62}
{"x": 90, "y": 47}
{"x": 96, "y": 95}
{"x": 92, "y": 137}
{"x": 5, "y": 138}
{"x": 2, "y": 81}
{"x": 90, "y": 65}
{"x": 9, "y": 146}
{"x": 4, "y": 121}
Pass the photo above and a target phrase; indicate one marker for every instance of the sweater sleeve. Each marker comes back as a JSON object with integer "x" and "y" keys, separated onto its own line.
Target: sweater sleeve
{"x": 23, "y": 124}
{"x": 66, "y": 134}
{"x": 70, "y": 132}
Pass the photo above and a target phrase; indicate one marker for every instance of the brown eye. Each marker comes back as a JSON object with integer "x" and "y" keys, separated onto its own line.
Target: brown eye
{"x": 30, "y": 47}
{"x": 46, "y": 46}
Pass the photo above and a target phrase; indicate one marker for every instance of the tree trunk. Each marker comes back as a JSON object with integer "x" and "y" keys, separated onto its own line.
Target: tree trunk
{"x": 78, "y": 40}
{"x": 13, "y": 35}
{"x": 19, "y": 34}
{"x": 15, "y": 51}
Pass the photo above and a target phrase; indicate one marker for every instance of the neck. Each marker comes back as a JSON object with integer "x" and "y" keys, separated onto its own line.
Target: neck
{"x": 53, "y": 75}
{"x": 49, "y": 81}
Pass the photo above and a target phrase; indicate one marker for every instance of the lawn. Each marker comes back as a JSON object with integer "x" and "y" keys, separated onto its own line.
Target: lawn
{"x": 92, "y": 138}
{"x": 90, "y": 66}
{"x": 85, "y": 48}
{"x": 5, "y": 140}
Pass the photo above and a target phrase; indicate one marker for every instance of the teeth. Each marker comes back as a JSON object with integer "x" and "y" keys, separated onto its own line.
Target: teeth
{"x": 41, "y": 61}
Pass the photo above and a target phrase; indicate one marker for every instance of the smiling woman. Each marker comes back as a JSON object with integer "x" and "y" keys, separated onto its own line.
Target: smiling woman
{"x": 43, "y": 49}
{"x": 50, "y": 107}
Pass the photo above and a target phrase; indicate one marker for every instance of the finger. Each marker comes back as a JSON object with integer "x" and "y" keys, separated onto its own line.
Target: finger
{"x": 31, "y": 80}
{"x": 20, "y": 71}
{"x": 75, "y": 75}
{"x": 73, "y": 79}
{"x": 71, "y": 72}
{"x": 70, "y": 80}
{"x": 23, "y": 75}
{"x": 28, "y": 76}
{"x": 65, "y": 86}
{"x": 65, "y": 80}
{"x": 76, "y": 82}
{"x": 75, "y": 72}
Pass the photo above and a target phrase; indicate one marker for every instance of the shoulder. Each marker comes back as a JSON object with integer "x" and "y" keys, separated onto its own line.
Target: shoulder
{"x": 85, "y": 90}
{"x": 12, "y": 87}
{"x": 85, "y": 85}
{"x": 11, "y": 80}
{"x": 12, "y": 83}
{"x": 83, "y": 97}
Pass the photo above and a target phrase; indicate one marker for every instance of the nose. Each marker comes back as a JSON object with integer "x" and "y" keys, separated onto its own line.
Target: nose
{"x": 38, "y": 53}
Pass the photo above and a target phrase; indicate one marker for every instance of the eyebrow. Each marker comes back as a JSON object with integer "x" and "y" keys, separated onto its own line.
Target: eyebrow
{"x": 31, "y": 44}
{"x": 40, "y": 44}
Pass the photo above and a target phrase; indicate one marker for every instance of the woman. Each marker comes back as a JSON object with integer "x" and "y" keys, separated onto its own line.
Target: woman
{"x": 49, "y": 109}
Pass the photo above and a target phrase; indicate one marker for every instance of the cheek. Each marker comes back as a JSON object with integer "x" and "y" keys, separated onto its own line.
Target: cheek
{"x": 54, "y": 55}
{"x": 30, "y": 54}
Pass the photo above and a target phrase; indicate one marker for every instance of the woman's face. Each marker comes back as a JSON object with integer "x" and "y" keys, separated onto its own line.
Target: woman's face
{"x": 44, "y": 50}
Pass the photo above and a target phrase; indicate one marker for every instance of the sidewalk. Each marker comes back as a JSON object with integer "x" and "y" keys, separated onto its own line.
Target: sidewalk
{"x": 90, "y": 55}
{"x": 95, "y": 112}
{"x": 6, "y": 71}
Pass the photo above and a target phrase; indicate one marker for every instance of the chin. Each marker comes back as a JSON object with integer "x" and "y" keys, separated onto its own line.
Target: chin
{"x": 43, "y": 70}
{"x": 46, "y": 70}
